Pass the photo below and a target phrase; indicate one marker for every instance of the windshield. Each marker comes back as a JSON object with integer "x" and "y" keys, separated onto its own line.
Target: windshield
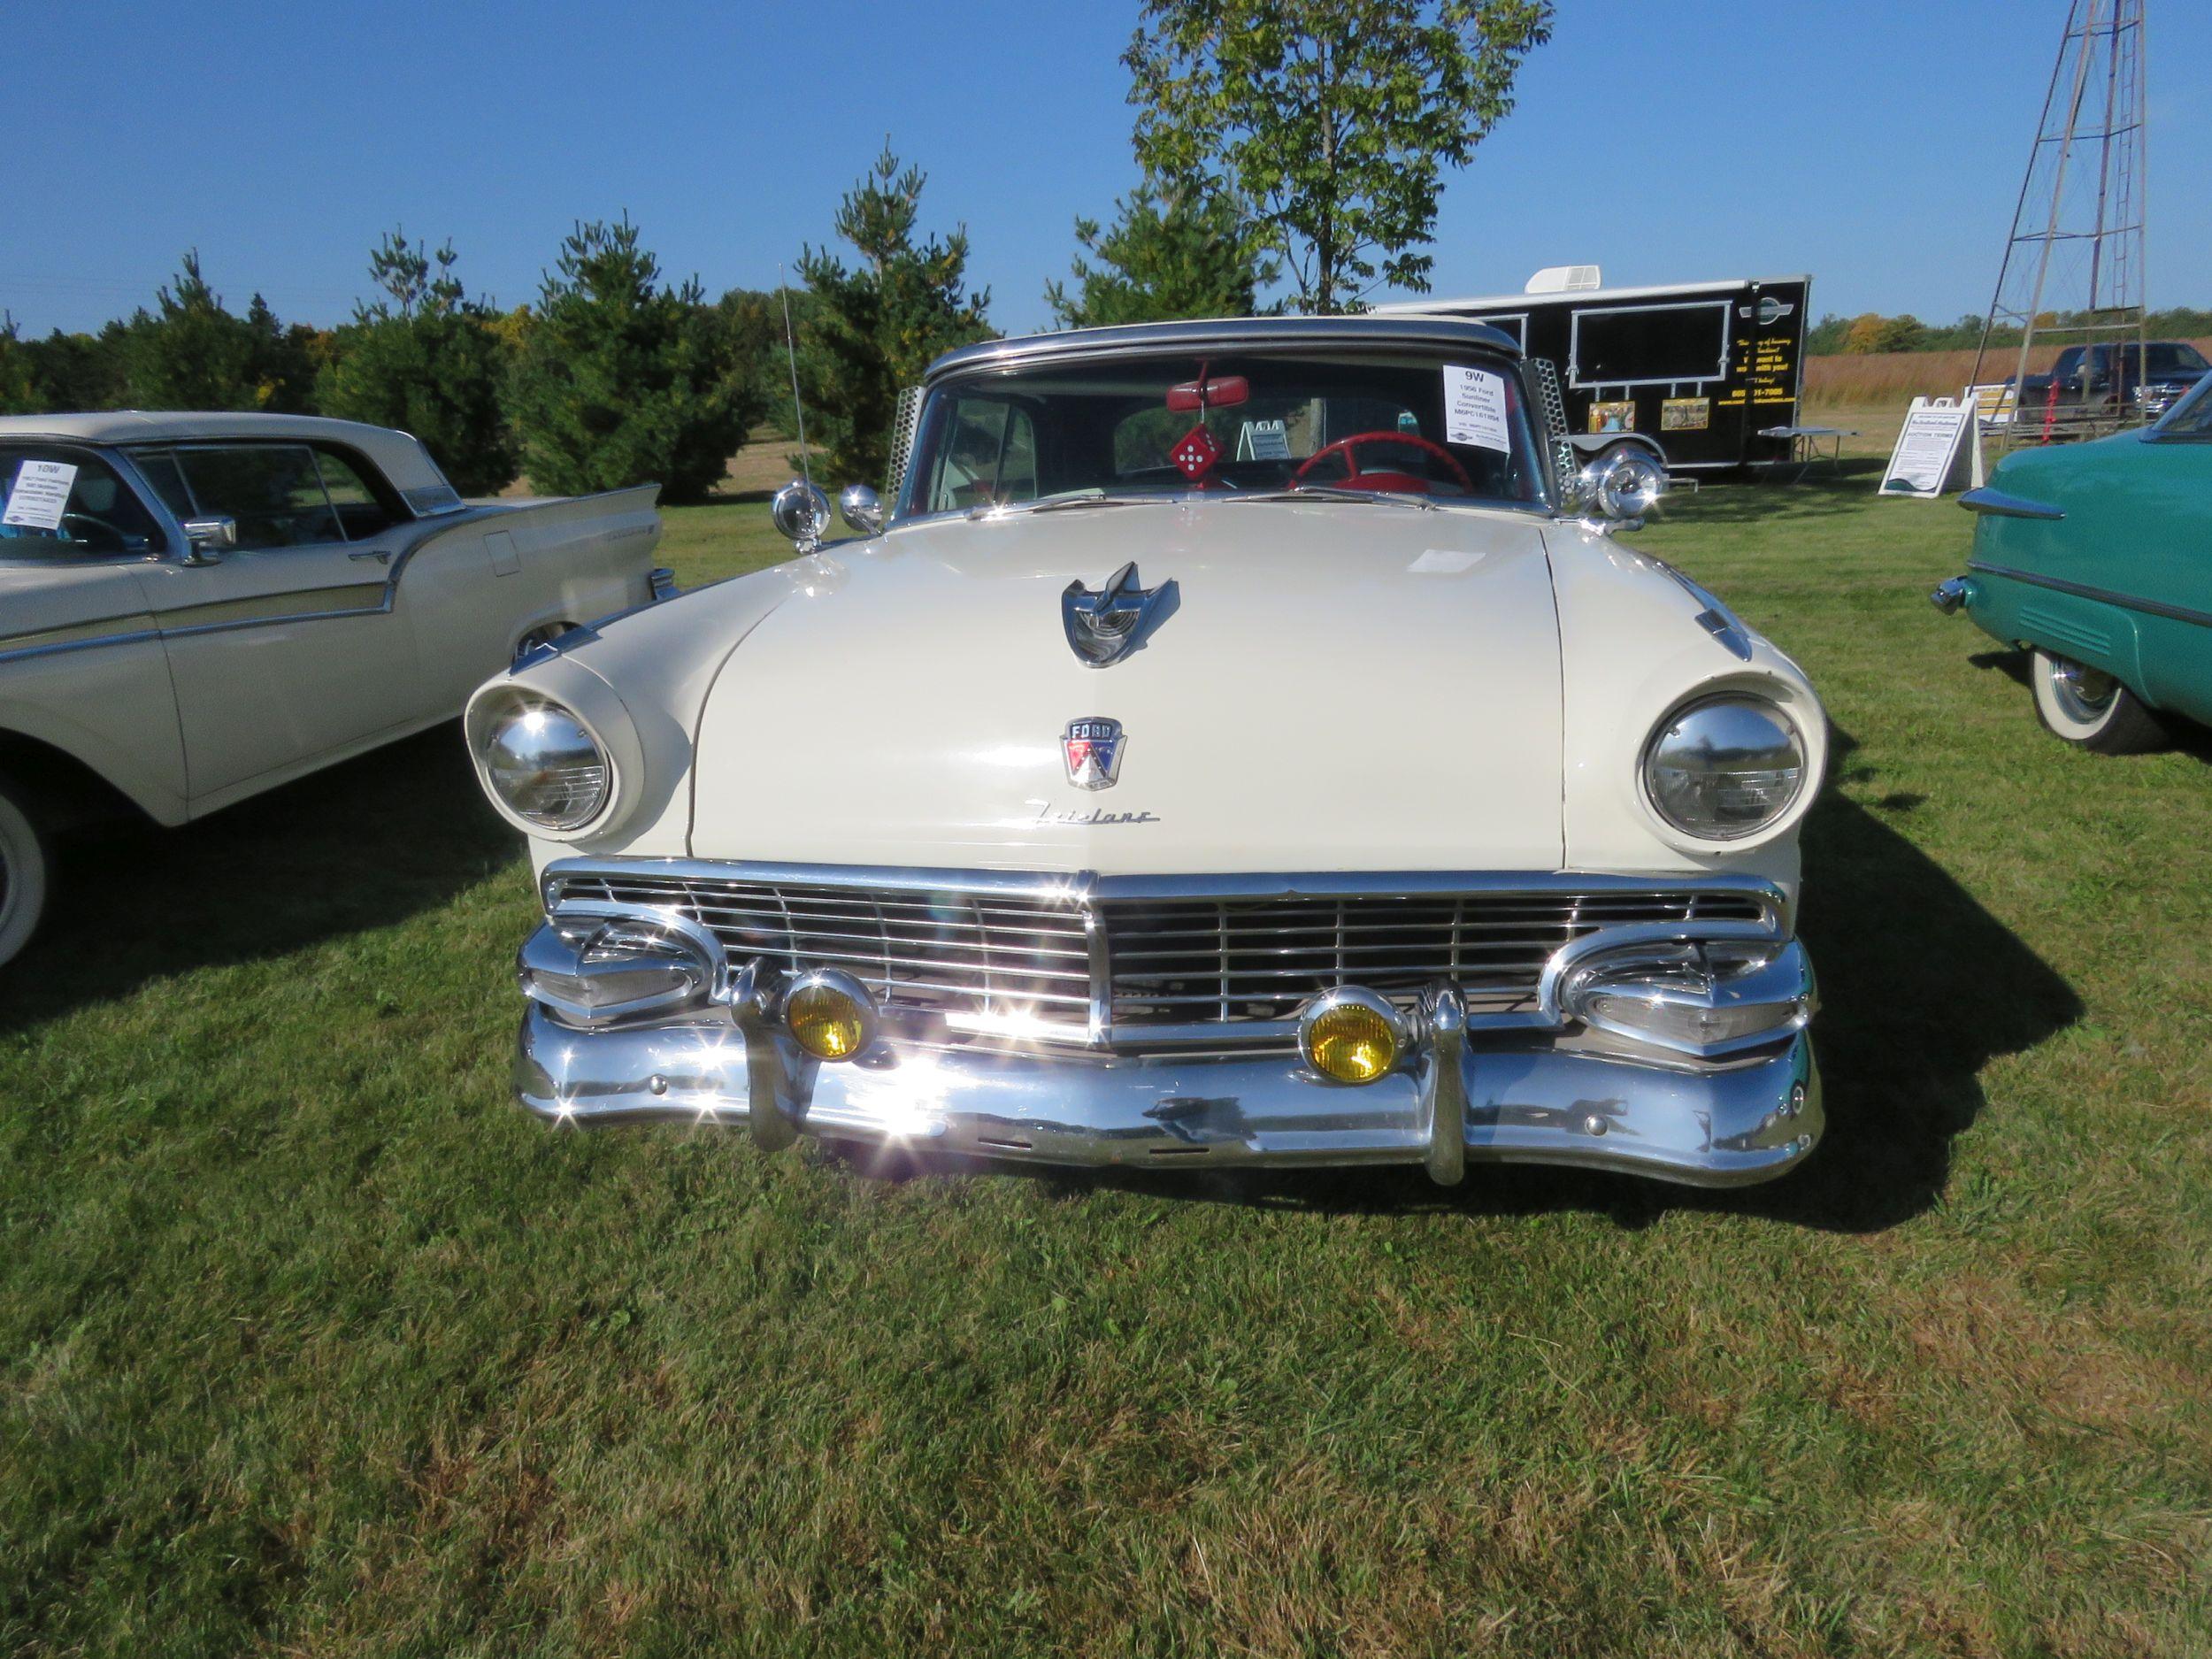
{"x": 1393, "y": 422}
{"x": 2173, "y": 359}
{"x": 2190, "y": 417}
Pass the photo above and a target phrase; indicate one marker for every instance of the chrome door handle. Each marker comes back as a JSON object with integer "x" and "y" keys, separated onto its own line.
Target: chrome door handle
{"x": 380, "y": 557}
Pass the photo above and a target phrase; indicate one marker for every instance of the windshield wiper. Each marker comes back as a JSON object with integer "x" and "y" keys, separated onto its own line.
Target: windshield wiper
{"x": 1337, "y": 492}
{"x": 1058, "y": 503}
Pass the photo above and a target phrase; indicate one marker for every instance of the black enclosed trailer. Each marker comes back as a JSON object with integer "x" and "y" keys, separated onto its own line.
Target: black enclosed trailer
{"x": 1695, "y": 371}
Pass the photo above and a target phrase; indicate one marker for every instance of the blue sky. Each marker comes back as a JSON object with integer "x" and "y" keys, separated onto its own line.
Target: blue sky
{"x": 1878, "y": 145}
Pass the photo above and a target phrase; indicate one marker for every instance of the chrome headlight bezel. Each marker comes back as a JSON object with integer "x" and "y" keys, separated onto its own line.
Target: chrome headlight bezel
{"x": 519, "y": 729}
{"x": 1709, "y": 706}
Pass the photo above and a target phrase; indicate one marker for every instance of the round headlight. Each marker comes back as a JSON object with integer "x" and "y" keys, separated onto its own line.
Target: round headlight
{"x": 1725, "y": 768}
{"x": 1350, "y": 1035}
{"x": 546, "y": 765}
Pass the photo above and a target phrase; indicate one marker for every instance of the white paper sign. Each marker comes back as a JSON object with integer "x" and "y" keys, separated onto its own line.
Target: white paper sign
{"x": 1474, "y": 408}
{"x": 1444, "y": 560}
{"x": 40, "y": 494}
{"x": 1929, "y": 446}
{"x": 1263, "y": 441}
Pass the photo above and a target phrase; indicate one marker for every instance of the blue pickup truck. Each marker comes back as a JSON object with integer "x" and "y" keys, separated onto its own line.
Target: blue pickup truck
{"x": 2106, "y": 379}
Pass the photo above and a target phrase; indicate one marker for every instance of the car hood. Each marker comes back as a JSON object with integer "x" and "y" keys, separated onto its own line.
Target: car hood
{"x": 1337, "y": 686}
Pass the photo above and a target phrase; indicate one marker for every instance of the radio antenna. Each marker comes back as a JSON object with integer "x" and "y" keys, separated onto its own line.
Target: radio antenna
{"x": 791, "y": 351}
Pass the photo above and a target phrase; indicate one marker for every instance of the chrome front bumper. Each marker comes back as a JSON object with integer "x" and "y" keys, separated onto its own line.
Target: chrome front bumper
{"x": 1462, "y": 1095}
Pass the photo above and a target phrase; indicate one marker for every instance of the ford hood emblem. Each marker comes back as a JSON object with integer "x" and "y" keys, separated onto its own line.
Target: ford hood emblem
{"x": 1092, "y": 748}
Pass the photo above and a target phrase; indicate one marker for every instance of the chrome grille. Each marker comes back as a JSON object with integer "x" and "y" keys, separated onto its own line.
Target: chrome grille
{"x": 971, "y": 954}
{"x": 1018, "y": 963}
{"x": 1206, "y": 959}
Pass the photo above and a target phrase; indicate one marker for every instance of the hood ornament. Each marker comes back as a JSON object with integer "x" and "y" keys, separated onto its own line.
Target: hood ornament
{"x": 1092, "y": 748}
{"x": 1106, "y": 626}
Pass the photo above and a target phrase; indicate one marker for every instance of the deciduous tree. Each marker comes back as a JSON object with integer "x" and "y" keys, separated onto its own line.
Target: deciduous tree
{"x": 624, "y": 380}
{"x": 1335, "y": 119}
{"x": 429, "y": 360}
{"x": 872, "y": 329}
{"x": 1169, "y": 253}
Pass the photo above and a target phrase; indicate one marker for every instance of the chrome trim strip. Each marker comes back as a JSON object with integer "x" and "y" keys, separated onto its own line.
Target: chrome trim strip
{"x": 1996, "y": 501}
{"x": 2084, "y": 590}
{"x": 1246, "y": 334}
{"x": 1080, "y": 885}
{"x": 218, "y": 616}
{"x": 133, "y": 625}
{"x": 355, "y": 599}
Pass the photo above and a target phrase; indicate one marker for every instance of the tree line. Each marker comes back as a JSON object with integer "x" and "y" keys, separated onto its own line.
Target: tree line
{"x": 1294, "y": 149}
{"x": 1871, "y": 332}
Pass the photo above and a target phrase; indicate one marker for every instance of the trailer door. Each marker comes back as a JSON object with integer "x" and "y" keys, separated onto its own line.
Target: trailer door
{"x": 1660, "y": 367}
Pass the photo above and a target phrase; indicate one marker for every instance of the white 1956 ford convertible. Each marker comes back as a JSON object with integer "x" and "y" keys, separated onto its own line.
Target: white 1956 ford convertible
{"x": 1240, "y": 744}
{"x": 194, "y": 608}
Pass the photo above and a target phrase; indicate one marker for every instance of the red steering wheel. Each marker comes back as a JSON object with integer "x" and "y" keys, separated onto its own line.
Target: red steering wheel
{"x": 1384, "y": 478}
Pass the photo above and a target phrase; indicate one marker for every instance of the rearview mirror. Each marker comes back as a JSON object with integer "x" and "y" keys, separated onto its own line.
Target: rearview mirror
{"x": 207, "y": 540}
{"x": 1226, "y": 392}
{"x": 862, "y": 507}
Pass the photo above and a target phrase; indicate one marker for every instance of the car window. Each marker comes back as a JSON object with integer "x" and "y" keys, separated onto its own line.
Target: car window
{"x": 990, "y": 458}
{"x": 2192, "y": 417}
{"x": 2171, "y": 359}
{"x": 99, "y": 515}
{"x": 273, "y": 490}
{"x": 159, "y": 469}
{"x": 357, "y": 505}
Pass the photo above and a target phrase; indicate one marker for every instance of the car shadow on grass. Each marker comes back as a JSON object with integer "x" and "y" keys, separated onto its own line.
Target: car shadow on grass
{"x": 1921, "y": 987}
{"x": 360, "y": 845}
{"x": 1777, "y": 498}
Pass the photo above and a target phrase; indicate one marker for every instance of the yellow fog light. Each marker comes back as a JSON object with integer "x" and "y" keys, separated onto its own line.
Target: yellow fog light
{"x": 830, "y": 1014}
{"x": 1351, "y": 1036}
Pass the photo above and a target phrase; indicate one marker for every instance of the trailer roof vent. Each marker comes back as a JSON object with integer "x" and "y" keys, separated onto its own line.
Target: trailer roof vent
{"x": 1563, "y": 279}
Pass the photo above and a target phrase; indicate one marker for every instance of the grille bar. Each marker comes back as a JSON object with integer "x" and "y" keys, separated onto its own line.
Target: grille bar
{"x": 1063, "y": 960}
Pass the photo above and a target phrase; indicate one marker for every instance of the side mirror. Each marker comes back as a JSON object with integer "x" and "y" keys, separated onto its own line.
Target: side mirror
{"x": 207, "y": 540}
{"x": 1620, "y": 492}
{"x": 862, "y": 508}
{"x": 801, "y": 512}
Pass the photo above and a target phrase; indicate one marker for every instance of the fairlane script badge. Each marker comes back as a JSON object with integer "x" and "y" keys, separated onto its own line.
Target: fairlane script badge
{"x": 1092, "y": 746}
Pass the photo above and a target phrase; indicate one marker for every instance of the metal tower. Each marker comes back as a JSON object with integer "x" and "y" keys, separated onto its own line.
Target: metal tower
{"x": 2073, "y": 266}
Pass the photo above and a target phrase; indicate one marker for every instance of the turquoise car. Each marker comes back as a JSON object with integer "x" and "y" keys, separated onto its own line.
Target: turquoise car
{"x": 2098, "y": 558}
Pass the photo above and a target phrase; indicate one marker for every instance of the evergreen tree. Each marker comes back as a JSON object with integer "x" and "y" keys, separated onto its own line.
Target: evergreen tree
{"x": 871, "y": 330}
{"x": 1170, "y": 254}
{"x": 18, "y": 393}
{"x": 622, "y": 380}
{"x": 192, "y": 353}
{"x": 427, "y": 359}
{"x": 80, "y": 371}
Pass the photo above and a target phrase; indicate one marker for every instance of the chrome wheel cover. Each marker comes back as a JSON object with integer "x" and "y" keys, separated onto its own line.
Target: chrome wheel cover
{"x": 2084, "y": 695}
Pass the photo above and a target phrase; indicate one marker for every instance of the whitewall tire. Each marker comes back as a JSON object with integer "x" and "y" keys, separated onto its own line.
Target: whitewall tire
{"x": 23, "y": 873}
{"x": 2089, "y": 708}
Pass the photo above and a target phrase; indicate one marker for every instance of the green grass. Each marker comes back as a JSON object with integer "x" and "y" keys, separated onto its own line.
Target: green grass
{"x": 313, "y": 1345}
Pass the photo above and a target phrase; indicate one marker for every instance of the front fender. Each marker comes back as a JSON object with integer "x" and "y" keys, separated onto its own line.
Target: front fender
{"x": 656, "y": 665}
{"x": 1637, "y": 641}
